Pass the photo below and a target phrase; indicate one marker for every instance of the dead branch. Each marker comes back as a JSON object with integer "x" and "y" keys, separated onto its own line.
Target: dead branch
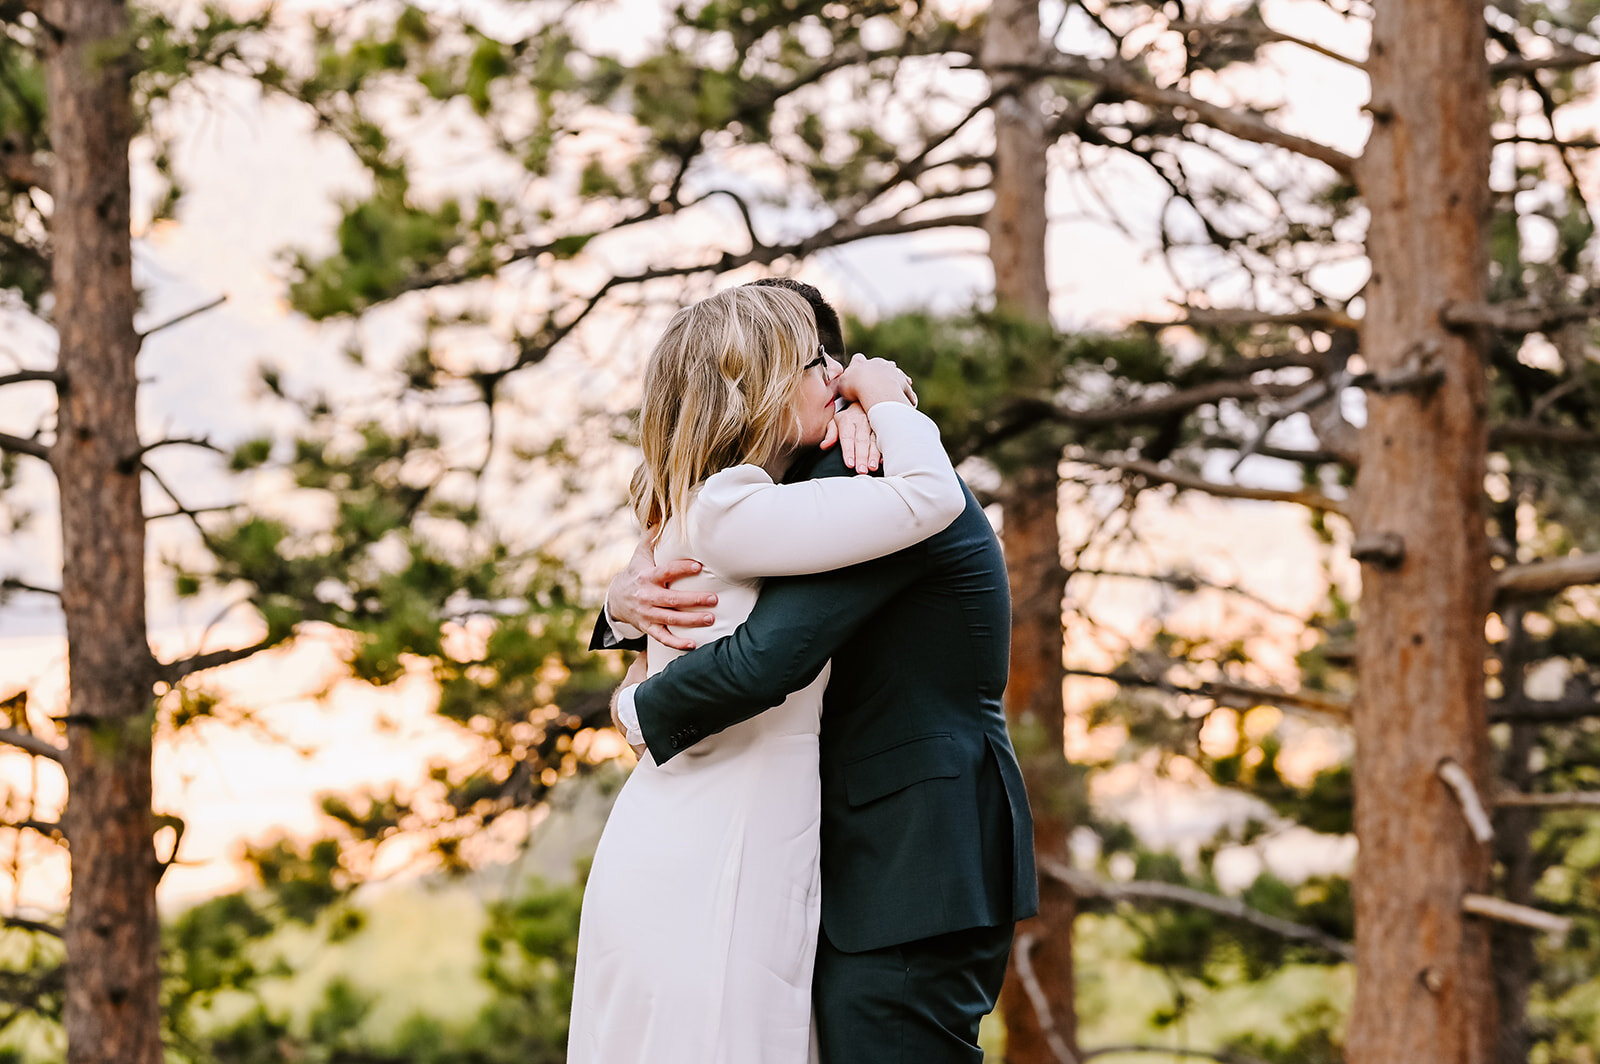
{"x": 37, "y": 745}
{"x": 12, "y": 583}
{"x": 1023, "y": 955}
{"x": 1548, "y": 576}
{"x": 1559, "y": 800}
{"x": 1225, "y": 317}
{"x": 1509, "y": 912}
{"x": 1236, "y": 122}
{"x": 1170, "y": 1051}
{"x": 48, "y": 828}
{"x": 1229, "y": 693}
{"x": 1194, "y": 482}
{"x": 1543, "y": 711}
{"x": 19, "y": 445}
{"x": 1522, "y": 316}
{"x": 24, "y": 924}
{"x": 1088, "y": 886}
{"x": 1260, "y": 31}
{"x": 173, "y": 671}
{"x": 1460, "y": 784}
{"x": 55, "y": 376}
{"x": 1565, "y": 57}
{"x": 1533, "y": 432}
{"x": 185, "y": 316}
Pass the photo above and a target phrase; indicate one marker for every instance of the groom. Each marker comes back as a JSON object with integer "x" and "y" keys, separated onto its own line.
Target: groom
{"x": 927, "y": 842}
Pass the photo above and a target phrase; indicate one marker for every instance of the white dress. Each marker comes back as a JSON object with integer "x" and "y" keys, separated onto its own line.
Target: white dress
{"x": 699, "y": 921}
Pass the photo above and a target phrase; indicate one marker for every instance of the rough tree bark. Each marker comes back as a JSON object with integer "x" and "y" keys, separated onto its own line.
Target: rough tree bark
{"x": 112, "y": 936}
{"x": 1423, "y": 986}
{"x": 1032, "y": 539}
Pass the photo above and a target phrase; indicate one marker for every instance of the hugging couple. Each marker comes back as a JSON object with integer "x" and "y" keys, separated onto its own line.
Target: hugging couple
{"x": 825, "y": 845}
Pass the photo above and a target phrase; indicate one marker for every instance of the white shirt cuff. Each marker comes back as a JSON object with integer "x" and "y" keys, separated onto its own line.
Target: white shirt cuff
{"x": 628, "y": 714}
{"x": 621, "y": 629}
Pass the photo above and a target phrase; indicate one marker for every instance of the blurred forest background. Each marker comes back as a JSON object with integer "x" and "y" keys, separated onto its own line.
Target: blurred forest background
{"x": 1265, "y": 329}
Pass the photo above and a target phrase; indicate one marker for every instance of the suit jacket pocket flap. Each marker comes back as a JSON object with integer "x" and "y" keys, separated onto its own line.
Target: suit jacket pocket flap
{"x": 869, "y": 778}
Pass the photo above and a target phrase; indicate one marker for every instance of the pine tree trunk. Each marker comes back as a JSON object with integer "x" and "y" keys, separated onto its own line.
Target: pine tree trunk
{"x": 1032, "y": 540}
{"x": 112, "y": 1011}
{"x": 1423, "y": 988}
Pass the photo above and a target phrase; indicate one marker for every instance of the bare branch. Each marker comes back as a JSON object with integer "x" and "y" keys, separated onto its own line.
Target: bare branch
{"x": 185, "y": 316}
{"x": 55, "y": 376}
{"x": 1560, "y": 800}
{"x": 132, "y": 461}
{"x": 12, "y": 583}
{"x": 21, "y": 168}
{"x": 1023, "y": 956}
{"x": 1460, "y": 784}
{"x": 24, "y": 924}
{"x": 37, "y": 745}
{"x": 1170, "y": 1051}
{"x": 19, "y": 445}
{"x": 1236, "y": 122}
{"x": 1088, "y": 886}
{"x": 1315, "y": 500}
{"x": 1543, "y": 711}
{"x": 1565, "y": 57}
{"x": 1533, "y": 432}
{"x": 1022, "y": 414}
{"x": 1229, "y": 693}
{"x": 48, "y": 828}
{"x": 1260, "y": 31}
{"x": 1508, "y": 912}
{"x": 1548, "y": 576}
{"x": 1226, "y": 317}
{"x": 1521, "y": 316}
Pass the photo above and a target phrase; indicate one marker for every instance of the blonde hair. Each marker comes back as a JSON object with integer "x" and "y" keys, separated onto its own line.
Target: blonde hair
{"x": 719, "y": 391}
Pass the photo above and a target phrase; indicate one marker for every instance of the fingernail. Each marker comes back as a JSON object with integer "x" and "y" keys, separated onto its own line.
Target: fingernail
{"x": 692, "y": 646}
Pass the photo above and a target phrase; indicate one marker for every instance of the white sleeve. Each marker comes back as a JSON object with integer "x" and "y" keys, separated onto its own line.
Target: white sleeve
{"x": 621, "y": 629}
{"x": 628, "y": 714}
{"x": 742, "y": 525}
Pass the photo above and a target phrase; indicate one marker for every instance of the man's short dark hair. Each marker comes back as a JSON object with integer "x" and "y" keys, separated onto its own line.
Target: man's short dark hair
{"x": 828, "y": 328}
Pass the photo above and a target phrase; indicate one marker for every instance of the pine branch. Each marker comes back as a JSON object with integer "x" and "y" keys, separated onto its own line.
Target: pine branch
{"x": 37, "y": 745}
{"x": 1087, "y": 886}
{"x": 173, "y": 671}
{"x": 1118, "y": 78}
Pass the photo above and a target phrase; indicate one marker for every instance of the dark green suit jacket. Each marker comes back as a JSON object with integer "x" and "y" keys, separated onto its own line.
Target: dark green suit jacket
{"x": 925, "y": 823}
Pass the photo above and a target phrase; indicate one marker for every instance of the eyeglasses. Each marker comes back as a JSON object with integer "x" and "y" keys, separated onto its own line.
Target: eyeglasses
{"x": 820, "y": 360}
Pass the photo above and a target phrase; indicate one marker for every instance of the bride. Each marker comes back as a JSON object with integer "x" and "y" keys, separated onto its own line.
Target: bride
{"x": 699, "y": 923}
